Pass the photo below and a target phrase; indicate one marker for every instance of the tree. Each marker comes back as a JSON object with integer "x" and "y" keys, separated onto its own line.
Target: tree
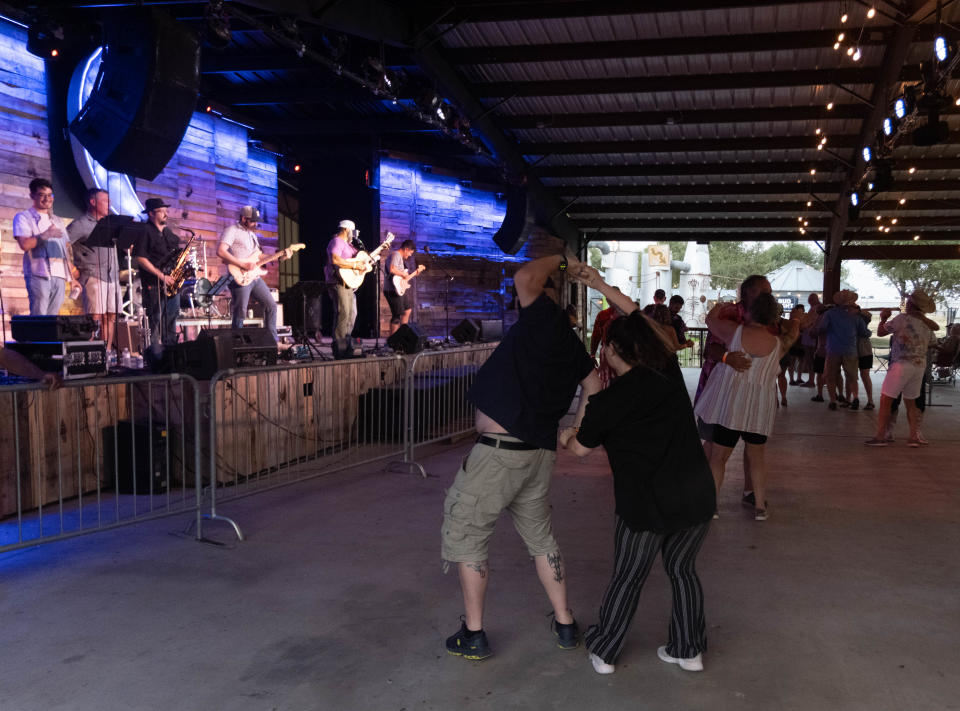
{"x": 940, "y": 279}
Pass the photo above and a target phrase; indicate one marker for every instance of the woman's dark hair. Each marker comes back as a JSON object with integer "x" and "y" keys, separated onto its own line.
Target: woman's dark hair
{"x": 661, "y": 314}
{"x": 764, "y": 309}
{"x": 634, "y": 339}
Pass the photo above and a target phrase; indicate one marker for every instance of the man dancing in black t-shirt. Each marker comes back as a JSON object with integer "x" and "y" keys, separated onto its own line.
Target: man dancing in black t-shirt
{"x": 521, "y": 393}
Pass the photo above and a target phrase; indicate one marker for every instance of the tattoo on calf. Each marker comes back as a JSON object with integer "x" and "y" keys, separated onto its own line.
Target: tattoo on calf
{"x": 556, "y": 562}
{"x": 479, "y": 568}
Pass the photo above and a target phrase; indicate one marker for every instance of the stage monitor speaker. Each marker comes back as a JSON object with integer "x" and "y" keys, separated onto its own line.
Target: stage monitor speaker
{"x": 491, "y": 330}
{"x": 144, "y": 96}
{"x": 344, "y": 348}
{"x": 407, "y": 339}
{"x": 517, "y": 223}
{"x": 467, "y": 331}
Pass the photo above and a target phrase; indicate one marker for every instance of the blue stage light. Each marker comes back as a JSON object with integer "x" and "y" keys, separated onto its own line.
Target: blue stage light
{"x": 900, "y": 108}
{"x": 867, "y": 154}
{"x": 940, "y": 48}
{"x": 854, "y": 199}
{"x": 888, "y": 126}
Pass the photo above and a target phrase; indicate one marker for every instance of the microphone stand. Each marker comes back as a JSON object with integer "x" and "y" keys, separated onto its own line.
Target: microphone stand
{"x": 447, "y": 278}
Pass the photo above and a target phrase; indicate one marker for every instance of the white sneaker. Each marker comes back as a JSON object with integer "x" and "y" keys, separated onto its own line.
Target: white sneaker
{"x": 600, "y": 666}
{"x": 692, "y": 664}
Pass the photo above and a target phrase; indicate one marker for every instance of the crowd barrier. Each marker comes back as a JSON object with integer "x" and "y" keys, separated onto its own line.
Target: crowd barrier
{"x": 275, "y": 426}
{"x": 96, "y": 454}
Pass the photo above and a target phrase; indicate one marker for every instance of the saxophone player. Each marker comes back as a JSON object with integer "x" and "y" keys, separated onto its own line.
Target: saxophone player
{"x": 151, "y": 251}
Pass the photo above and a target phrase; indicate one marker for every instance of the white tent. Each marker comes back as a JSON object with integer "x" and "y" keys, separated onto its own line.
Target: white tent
{"x": 798, "y": 279}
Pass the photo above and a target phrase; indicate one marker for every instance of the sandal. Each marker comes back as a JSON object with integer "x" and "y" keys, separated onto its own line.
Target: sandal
{"x": 760, "y": 515}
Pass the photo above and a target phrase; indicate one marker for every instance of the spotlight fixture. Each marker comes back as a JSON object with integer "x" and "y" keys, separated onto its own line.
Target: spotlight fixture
{"x": 867, "y": 154}
{"x": 944, "y": 49}
{"x": 889, "y": 126}
{"x": 216, "y": 25}
{"x": 378, "y": 77}
{"x": 855, "y": 199}
{"x": 869, "y": 186}
{"x": 45, "y": 37}
{"x": 906, "y": 103}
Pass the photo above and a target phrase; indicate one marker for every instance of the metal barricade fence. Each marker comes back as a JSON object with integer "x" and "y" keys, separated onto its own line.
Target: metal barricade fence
{"x": 96, "y": 454}
{"x": 693, "y": 357}
{"x": 437, "y": 405}
{"x": 275, "y": 426}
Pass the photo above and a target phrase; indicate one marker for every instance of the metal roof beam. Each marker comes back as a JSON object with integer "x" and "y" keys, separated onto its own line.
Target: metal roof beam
{"x": 500, "y": 11}
{"x": 684, "y": 82}
{"x": 639, "y": 208}
{"x": 901, "y": 251}
{"x": 722, "y": 189}
{"x": 721, "y": 168}
{"x": 664, "y": 47}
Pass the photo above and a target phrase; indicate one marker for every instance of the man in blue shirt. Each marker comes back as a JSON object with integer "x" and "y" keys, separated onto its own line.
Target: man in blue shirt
{"x": 843, "y": 326}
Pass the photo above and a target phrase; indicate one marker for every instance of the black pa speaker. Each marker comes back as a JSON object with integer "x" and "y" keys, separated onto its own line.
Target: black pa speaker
{"x": 144, "y": 95}
{"x": 517, "y": 223}
{"x": 466, "y": 331}
{"x": 491, "y": 330}
{"x": 407, "y": 339}
{"x": 139, "y": 463}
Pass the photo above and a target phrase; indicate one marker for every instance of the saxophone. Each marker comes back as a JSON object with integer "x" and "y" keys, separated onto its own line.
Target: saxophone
{"x": 181, "y": 268}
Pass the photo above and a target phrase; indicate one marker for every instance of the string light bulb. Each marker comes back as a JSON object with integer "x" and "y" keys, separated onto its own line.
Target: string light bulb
{"x": 903, "y": 201}
{"x": 871, "y": 13}
{"x": 813, "y": 171}
{"x": 844, "y": 17}
{"x": 836, "y": 45}
{"x": 911, "y": 170}
{"x": 809, "y": 203}
{"x": 830, "y": 106}
{"x": 840, "y": 37}
{"x": 916, "y": 237}
{"x": 857, "y": 55}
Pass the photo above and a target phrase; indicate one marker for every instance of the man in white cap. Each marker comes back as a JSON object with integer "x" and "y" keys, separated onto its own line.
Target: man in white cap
{"x": 341, "y": 255}
{"x": 912, "y": 336}
{"x": 240, "y": 246}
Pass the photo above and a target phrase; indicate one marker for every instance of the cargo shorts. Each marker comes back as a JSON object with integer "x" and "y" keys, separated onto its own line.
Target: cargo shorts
{"x": 490, "y": 480}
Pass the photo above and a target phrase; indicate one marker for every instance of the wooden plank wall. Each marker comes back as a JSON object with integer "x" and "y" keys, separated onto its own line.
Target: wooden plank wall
{"x": 453, "y": 224}
{"x": 211, "y": 176}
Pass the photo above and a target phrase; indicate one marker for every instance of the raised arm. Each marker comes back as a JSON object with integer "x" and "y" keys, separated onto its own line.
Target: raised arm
{"x": 722, "y": 328}
{"x": 532, "y": 276}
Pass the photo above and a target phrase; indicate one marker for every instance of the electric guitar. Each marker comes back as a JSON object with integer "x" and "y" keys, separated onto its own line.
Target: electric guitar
{"x": 401, "y": 284}
{"x": 353, "y": 278}
{"x": 243, "y": 277}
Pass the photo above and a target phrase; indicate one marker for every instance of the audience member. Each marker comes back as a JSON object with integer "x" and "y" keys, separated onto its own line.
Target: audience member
{"x": 865, "y": 360}
{"x": 912, "y": 337}
{"x": 843, "y": 326}
{"x": 663, "y": 491}
{"x": 739, "y": 404}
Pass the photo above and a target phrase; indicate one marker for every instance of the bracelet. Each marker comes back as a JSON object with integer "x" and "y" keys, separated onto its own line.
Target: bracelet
{"x": 723, "y": 358}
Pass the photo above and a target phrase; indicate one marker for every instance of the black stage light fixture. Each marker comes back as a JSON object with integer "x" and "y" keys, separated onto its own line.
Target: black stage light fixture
{"x": 854, "y": 210}
{"x": 944, "y": 50}
{"x": 890, "y": 125}
{"x": 45, "y": 37}
{"x": 216, "y": 25}
{"x": 883, "y": 175}
{"x": 867, "y": 154}
{"x": 933, "y": 132}
{"x": 905, "y": 103}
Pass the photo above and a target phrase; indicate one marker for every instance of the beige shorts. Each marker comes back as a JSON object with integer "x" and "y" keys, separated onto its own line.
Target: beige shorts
{"x": 490, "y": 480}
{"x": 101, "y": 297}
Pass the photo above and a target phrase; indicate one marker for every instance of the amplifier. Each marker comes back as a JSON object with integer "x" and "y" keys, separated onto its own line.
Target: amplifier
{"x": 220, "y": 349}
{"x": 71, "y": 359}
{"x": 52, "y": 328}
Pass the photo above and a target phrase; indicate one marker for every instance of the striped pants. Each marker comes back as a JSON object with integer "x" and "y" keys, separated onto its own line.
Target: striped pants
{"x": 634, "y": 554}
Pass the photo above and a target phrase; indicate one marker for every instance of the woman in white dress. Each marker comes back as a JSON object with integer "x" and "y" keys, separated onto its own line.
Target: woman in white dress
{"x": 743, "y": 404}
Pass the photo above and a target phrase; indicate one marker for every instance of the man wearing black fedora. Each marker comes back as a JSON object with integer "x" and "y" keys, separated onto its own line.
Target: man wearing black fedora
{"x": 152, "y": 251}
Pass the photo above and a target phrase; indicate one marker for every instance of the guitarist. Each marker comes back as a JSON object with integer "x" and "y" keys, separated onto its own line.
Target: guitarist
{"x": 240, "y": 246}
{"x": 341, "y": 255}
{"x": 400, "y": 304}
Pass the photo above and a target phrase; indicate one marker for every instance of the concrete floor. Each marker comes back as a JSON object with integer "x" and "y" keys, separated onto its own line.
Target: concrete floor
{"x": 845, "y": 599}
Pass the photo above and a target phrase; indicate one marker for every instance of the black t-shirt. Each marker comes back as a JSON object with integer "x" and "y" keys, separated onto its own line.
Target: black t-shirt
{"x": 661, "y": 477}
{"x": 527, "y": 383}
{"x": 155, "y": 246}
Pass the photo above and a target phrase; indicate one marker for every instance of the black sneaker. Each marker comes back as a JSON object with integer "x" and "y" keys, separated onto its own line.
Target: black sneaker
{"x": 816, "y": 398}
{"x": 855, "y": 404}
{"x": 568, "y": 636}
{"x": 469, "y": 645}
